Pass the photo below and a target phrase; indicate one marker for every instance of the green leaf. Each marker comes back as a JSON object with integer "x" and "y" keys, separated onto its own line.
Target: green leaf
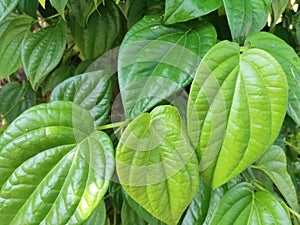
{"x": 79, "y": 163}
{"x": 15, "y": 99}
{"x": 129, "y": 216}
{"x": 29, "y": 7}
{"x": 278, "y": 7}
{"x": 12, "y": 33}
{"x": 101, "y": 33}
{"x": 184, "y": 10}
{"x": 154, "y": 56}
{"x": 236, "y": 107}
{"x": 92, "y": 91}
{"x": 60, "y": 6}
{"x": 241, "y": 205}
{"x": 290, "y": 62}
{"x": 156, "y": 164}
{"x": 98, "y": 216}
{"x": 273, "y": 163}
{"x": 245, "y": 17}
{"x": 42, "y": 51}
{"x": 6, "y": 7}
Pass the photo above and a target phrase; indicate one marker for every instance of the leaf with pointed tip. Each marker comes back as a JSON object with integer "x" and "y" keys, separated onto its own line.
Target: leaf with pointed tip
{"x": 236, "y": 108}
{"x": 79, "y": 163}
{"x": 156, "y": 164}
{"x": 6, "y": 7}
{"x": 60, "y": 6}
{"x": 278, "y": 7}
{"x": 42, "y": 51}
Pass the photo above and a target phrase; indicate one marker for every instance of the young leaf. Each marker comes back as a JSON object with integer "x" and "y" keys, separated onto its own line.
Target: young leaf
{"x": 273, "y": 163}
{"x": 54, "y": 164}
{"x": 43, "y": 3}
{"x": 6, "y": 7}
{"x": 154, "y": 56}
{"x": 241, "y": 205}
{"x": 98, "y": 216}
{"x": 12, "y": 33}
{"x": 156, "y": 164}
{"x": 184, "y": 10}
{"x": 42, "y": 51}
{"x": 236, "y": 107}
{"x": 60, "y": 6}
{"x": 245, "y": 17}
{"x": 289, "y": 61}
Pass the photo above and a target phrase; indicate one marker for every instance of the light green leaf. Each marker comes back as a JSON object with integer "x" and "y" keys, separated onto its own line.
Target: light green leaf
{"x": 273, "y": 163}
{"x": 289, "y": 61}
{"x": 242, "y": 205}
{"x": 98, "y": 216}
{"x": 6, "y": 7}
{"x": 184, "y": 10}
{"x": 156, "y": 164}
{"x": 12, "y": 33}
{"x": 154, "y": 56}
{"x": 278, "y": 7}
{"x": 60, "y": 6}
{"x": 79, "y": 163}
{"x": 245, "y": 17}
{"x": 236, "y": 108}
{"x": 42, "y": 51}
{"x": 129, "y": 216}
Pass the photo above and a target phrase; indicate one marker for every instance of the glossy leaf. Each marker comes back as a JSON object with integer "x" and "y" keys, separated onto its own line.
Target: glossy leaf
{"x": 245, "y": 17}
{"x": 184, "y": 10}
{"x": 60, "y": 6}
{"x": 129, "y": 216}
{"x": 278, "y": 7}
{"x": 6, "y": 7}
{"x": 98, "y": 216}
{"x": 42, "y": 51}
{"x": 101, "y": 33}
{"x": 154, "y": 56}
{"x": 156, "y": 164}
{"x": 273, "y": 163}
{"x": 290, "y": 62}
{"x": 79, "y": 165}
{"x": 236, "y": 108}
{"x": 12, "y": 33}
{"x": 241, "y": 205}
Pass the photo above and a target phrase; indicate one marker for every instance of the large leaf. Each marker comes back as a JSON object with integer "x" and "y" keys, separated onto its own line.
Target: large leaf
{"x": 54, "y": 164}
{"x": 184, "y": 10}
{"x": 42, "y": 51}
{"x": 245, "y": 17}
{"x": 242, "y": 205}
{"x": 156, "y": 164}
{"x": 290, "y": 62}
{"x": 6, "y": 7}
{"x": 98, "y": 216}
{"x": 12, "y": 33}
{"x": 154, "y": 56}
{"x": 236, "y": 108}
{"x": 101, "y": 32}
{"x": 60, "y": 6}
{"x": 15, "y": 99}
{"x": 273, "y": 163}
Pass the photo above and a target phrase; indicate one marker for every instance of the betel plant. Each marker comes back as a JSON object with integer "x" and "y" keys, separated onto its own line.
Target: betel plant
{"x": 204, "y": 130}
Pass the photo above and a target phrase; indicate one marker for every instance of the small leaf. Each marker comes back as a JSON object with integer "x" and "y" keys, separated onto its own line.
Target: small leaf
{"x": 98, "y": 216}
{"x": 43, "y": 3}
{"x": 60, "y": 6}
{"x": 236, "y": 108}
{"x": 278, "y": 7}
{"x": 129, "y": 216}
{"x": 12, "y": 33}
{"x": 156, "y": 164}
{"x": 184, "y": 10}
{"x": 29, "y": 7}
{"x": 42, "y": 51}
{"x": 273, "y": 163}
{"x": 6, "y": 7}
{"x": 242, "y": 205}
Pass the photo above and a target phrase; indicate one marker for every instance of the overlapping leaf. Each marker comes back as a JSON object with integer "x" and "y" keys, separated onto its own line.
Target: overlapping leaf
{"x": 98, "y": 216}
{"x": 54, "y": 164}
{"x": 236, "y": 108}
{"x": 129, "y": 216}
{"x": 60, "y": 6}
{"x": 6, "y": 7}
{"x": 278, "y": 7}
{"x": 156, "y": 164}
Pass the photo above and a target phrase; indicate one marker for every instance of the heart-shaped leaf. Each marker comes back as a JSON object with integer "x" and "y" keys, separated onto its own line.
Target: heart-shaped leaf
{"x": 154, "y": 56}
{"x": 6, "y": 7}
{"x": 236, "y": 107}
{"x": 79, "y": 163}
{"x": 156, "y": 164}
{"x": 242, "y": 205}
{"x": 290, "y": 62}
{"x": 184, "y": 10}
{"x": 42, "y": 51}
{"x": 12, "y": 33}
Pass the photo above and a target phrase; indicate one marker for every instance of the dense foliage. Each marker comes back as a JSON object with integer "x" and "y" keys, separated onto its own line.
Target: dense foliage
{"x": 149, "y": 112}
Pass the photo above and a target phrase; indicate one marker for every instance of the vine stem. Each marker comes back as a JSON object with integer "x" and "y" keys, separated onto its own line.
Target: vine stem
{"x": 113, "y": 125}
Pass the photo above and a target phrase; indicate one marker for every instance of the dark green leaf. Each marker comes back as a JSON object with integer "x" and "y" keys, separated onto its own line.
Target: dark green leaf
{"x": 54, "y": 164}
{"x": 12, "y": 33}
{"x": 29, "y": 7}
{"x": 184, "y": 10}
{"x": 98, "y": 216}
{"x": 60, "y": 6}
{"x": 236, "y": 107}
{"x": 6, "y": 7}
{"x": 154, "y": 56}
{"x": 130, "y": 217}
{"x": 42, "y": 51}
{"x": 156, "y": 164}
